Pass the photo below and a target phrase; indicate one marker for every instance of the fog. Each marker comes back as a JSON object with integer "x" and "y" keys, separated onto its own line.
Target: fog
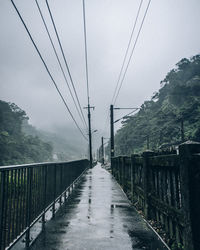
{"x": 170, "y": 33}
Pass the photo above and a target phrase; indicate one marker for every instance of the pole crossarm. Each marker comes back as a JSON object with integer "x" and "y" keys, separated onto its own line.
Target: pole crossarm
{"x": 134, "y": 109}
{"x": 127, "y": 108}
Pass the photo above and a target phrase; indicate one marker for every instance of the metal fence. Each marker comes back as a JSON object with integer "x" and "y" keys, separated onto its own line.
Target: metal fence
{"x": 167, "y": 189}
{"x": 28, "y": 191}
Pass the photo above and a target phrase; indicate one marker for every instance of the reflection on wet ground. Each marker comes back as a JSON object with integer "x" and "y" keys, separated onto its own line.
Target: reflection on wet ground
{"x": 98, "y": 216}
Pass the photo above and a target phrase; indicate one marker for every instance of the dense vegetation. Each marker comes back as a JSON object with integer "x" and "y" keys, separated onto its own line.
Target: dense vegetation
{"x": 15, "y": 146}
{"x": 170, "y": 117}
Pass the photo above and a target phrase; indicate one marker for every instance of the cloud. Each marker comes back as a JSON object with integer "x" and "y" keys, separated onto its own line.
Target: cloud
{"x": 170, "y": 33}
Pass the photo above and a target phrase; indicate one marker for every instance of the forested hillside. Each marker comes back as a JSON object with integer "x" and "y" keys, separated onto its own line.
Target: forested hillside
{"x": 170, "y": 117}
{"x": 66, "y": 145}
{"x": 15, "y": 146}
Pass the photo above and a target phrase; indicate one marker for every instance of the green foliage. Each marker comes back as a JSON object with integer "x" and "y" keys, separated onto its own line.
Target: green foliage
{"x": 177, "y": 246}
{"x": 15, "y": 146}
{"x": 160, "y": 118}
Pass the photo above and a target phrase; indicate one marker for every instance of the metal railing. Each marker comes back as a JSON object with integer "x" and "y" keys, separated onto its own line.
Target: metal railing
{"x": 28, "y": 191}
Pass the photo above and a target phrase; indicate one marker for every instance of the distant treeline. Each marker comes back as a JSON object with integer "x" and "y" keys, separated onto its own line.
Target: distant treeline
{"x": 172, "y": 114}
{"x": 15, "y": 146}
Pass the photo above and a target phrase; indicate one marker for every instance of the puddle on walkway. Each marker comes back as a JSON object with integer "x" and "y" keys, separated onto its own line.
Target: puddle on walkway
{"x": 97, "y": 217}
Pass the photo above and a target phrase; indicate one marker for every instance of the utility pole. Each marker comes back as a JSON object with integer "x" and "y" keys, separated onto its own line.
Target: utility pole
{"x": 112, "y": 149}
{"x": 102, "y": 145}
{"x": 90, "y": 133}
{"x": 112, "y": 145}
{"x": 97, "y": 154}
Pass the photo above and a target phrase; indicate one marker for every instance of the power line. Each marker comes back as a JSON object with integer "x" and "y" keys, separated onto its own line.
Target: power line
{"x": 132, "y": 51}
{"x": 87, "y": 80}
{"x": 63, "y": 54}
{"x": 126, "y": 53}
{"x": 86, "y": 56}
{"x": 124, "y": 60}
{"x": 59, "y": 62}
{"x": 46, "y": 67}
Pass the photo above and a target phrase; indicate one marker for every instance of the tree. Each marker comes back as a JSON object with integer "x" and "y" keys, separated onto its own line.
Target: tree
{"x": 15, "y": 146}
{"x": 177, "y": 102}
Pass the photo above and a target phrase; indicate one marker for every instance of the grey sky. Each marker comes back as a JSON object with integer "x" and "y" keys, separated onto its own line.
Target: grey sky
{"x": 170, "y": 32}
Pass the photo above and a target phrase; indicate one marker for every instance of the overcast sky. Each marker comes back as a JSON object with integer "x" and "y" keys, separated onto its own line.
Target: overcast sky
{"x": 170, "y": 32}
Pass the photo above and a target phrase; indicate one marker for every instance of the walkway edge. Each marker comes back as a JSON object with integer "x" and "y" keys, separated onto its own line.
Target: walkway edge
{"x": 148, "y": 224}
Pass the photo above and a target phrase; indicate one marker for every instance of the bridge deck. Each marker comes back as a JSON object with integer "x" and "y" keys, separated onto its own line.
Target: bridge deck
{"x": 98, "y": 216}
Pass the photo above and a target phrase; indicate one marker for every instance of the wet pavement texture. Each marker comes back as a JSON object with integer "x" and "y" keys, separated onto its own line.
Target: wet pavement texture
{"x": 98, "y": 216}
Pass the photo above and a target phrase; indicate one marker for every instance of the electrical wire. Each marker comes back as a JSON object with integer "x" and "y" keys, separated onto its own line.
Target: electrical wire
{"x": 126, "y": 53}
{"x": 124, "y": 60}
{"x": 133, "y": 49}
{"x": 64, "y": 57}
{"x": 125, "y": 116}
{"x": 59, "y": 62}
{"x": 86, "y": 60}
{"x": 46, "y": 67}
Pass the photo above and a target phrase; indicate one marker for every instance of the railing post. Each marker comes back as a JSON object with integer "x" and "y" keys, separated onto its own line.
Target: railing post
{"x": 44, "y": 196}
{"x": 54, "y": 193}
{"x": 122, "y": 172}
{"x": 61, "y": 173}
{"x": 29, "y": 205}
{"x": 190, "y": 191}
{"x": 2, "y": 208}
{"x": 147, "y": 184}
{"x": 132, "y": 176}
{"x": 125, "y": 169}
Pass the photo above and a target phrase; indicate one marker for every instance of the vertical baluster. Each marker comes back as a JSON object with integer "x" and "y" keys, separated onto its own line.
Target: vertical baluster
{"x": 29, "y": 203}
{"x": 54, "y": 192}
{"x": 2, "y": 208}
{"x": 20, "y": 199}
{"x": 44, "y": 195}
{"x": 40, "y": 191}
{"x": 14, "y": 205}
{"x": 37, "y": 203}
{"x": 33, "y": 193}
{"x": 24, "y": 198}
{"x": 5, "y": 243}
{"x": 10, "y": 206}
{"x": 61, "y": 187}
{"x": 17, "y": 202}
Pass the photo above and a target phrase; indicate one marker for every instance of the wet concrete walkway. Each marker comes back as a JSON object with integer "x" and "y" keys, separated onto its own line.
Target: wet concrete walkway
{"x": 98, "y": 216}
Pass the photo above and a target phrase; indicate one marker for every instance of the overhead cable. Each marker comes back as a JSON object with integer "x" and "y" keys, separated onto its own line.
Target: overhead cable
{"x": 133, "y": 49}
{"x": 46, "y": 67}
{"x": 124, "y": 60}
{"x": 126, "y": 53}
{"x": 59, "y": 62}
{"x": 64, "y": 57}
{"x": 86, "y": 60}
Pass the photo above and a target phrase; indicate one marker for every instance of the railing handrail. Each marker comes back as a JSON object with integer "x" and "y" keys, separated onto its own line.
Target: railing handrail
{"x": 39, "y": 164}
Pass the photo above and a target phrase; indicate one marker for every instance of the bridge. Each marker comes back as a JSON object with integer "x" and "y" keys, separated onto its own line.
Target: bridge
{"x": 69, "y": 205}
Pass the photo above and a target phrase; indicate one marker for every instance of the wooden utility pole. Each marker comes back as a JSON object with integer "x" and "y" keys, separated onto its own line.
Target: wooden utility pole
{"x": 89, "y": 133}
{"x": 112, "y": 149}
{"x": 102, "y": 145}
